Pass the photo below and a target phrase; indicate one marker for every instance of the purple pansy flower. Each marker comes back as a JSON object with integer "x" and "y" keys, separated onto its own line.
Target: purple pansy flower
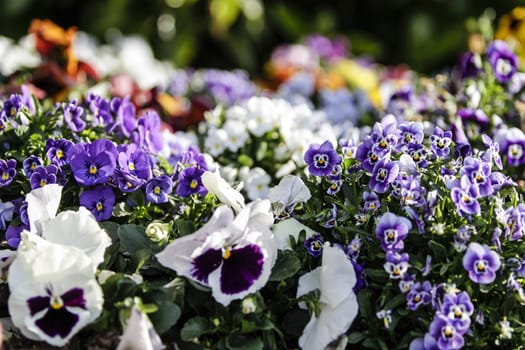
{"x": 469, "y": 65}
{"x": 314, "y": 245}
{"x": 58, "y": 151}
{"x": 458, "y": 308}
{"x": 441, "y": 141}
{"x": 93, "y": 163}
{"x": 126, "y": 181}
{"x": 481, "y": 263}
{"x": 12, "y": 234}
{"x": 512, "y": 145}
{"x": 134, "y": 160}
{"x": 419, "y": 294}
{"x": 190, "y": 182}
{"x": 147, "y": 133}
{"x": 383, "y": 175}
{"x": 465, "y": 195}
{"x": 73, "y": 115}
{"x": 410, "y": 133}
{"x": 372, "y": 202}
{"x": 12, "y": 105}
{"x": 100, "y": 108}
{"x": 30, "y": 163}
{"x": 43, "y": 175}
{"x": 99, "y": 201}
{"x": 321, "y": 159}
{"x": 396, "y": 264}
{"x": 502, "y": 60}
{"x": 368, "y": 155}
{"x": 391, "y": 230}
{"x": 407, "y": 282}
{"x": 7, "y": 171}
{"x": 492, "y": 152}
{"x": 479, "y": 173}
{"x": 446, "y": 335}
{"x": 125, "y": 118}
{"x": 157, "y": 189}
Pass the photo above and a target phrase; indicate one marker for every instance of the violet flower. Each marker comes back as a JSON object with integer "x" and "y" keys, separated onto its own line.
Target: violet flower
{"x": 512, "y": 144}
{"x": 441, "y": 142}
{"x": 383, "y": 175}
{"x": 502, "y": 60}
{"x": 93, "y": 163}
{"x": 314, "y": 245}
{"x": 57, "y": 151}
{"x": 321, "y": 159}
{"x": 147, "y": 133}
{"x": 100, "y": 108}
{"x": 479, "y": 173}
{"x": 459, "y": 309}
{"x": 43, "y": 175}
{"x": 396, "y": 264}
{"x": 465, "y": 195}
{"x": 157, "y": 189}
{"x": 30, "y": 163}
{"x": 190, "y": 182}
{"x": 446, "y": 335}
{"x": 419, "y": 294}
{"x": 481, "y": 263}
{"x": 73, "y": 115}
{"x": 99, "y": 201}
{"x": 7, "y": 171}
{"x": 391, "y": 230}
{"x": 469, "y": 65}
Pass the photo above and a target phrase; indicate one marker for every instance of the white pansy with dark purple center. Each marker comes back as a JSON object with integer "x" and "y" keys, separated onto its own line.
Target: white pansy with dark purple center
{"x": 53, "y": 291}
{"x": 231, "y": 255}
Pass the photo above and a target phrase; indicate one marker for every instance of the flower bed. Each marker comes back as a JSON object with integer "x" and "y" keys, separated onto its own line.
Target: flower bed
{"x": 341, "y": 204}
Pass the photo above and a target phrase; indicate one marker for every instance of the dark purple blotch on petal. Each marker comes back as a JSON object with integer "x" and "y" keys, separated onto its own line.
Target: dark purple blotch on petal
{"x": 205, "y": 264}
{"x": 241, "y": 269}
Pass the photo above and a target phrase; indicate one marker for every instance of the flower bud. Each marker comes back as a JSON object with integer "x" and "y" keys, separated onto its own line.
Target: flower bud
{"x": 248, "y": 306}
{"x": 157, "y": 231}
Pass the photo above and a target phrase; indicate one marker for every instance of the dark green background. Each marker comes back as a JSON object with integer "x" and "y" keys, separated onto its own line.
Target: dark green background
{"x": 427, "y": 34}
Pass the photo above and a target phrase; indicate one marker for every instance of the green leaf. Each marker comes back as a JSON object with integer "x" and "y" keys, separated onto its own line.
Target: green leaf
{"x": 240, "y": 342}
{"x": 195, "y": 327}
{"x": 294, "y": 322}
{"x": 286, "y": 266}
{"x": 356, "y": 337}
{"x": 365, "y": 309}
{"x": 185, "y": 227}
{"x": 261, "y": 151}
{"x": 133, "y": 238}
{"x": 166, "y": 317}
{"x": 439, "y": 251}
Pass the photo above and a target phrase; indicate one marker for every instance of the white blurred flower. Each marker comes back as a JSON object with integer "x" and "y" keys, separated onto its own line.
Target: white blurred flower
{"x": 236, "y": 134}
{"x": 289, "y": 227}
{"x": 257, "y": 183}
{"x": 261, "y": 116}
{"x": 157, "y": 231}
{"x": 216, "y": 141}
{"x": 42, "y": 205}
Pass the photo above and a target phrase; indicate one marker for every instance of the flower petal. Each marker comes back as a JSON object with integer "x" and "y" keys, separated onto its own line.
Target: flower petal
{"x": 42, "y": 205}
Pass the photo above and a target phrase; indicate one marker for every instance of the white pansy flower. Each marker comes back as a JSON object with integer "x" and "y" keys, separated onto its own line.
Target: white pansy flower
{"x": 289, "y": 227}
{"x": 261, "y": 116}
{"x": 53, "y": 291}
{"x": 335, "y": 278}
{"x": 290, "y": 191}
{"x": 233, "y": 256}
{"x": 42, "y": 205}
{"x": 139, "y": 333}
{"x": 79, "y": 229}
{"x": 226, "y": 194}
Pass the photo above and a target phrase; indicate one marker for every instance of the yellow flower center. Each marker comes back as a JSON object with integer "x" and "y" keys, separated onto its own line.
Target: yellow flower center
{"x": 156, "y": 190}
{"x": 226, "y": 253}
{"x": 43, "y": 183}
{"x": 56, "y": 303}
{"x": 93, "y": 169}
{"x": 193, "y": 184}
{"x": 12, "y": 111}
{"x": 100, "y": 206}
{"x": 5, "y": 176}
{"x": 60, "y": 154}
{"x": 131, "y": 166}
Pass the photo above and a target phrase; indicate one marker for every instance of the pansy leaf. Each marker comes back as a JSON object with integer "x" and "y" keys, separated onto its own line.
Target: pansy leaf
{"x": 133, "y": 238}
{"x": 439, "y": 251}
{"x": 356, "y": 337}
{"x": 286, "y": 266}
{"x": 245, "y": 160}
{"x": 240, "y": 342}
{"x": 294, "y": 321}
{"x": 185, "y": 227}
{"x": 195, "y": 327}
{"x": 166, "y": 316}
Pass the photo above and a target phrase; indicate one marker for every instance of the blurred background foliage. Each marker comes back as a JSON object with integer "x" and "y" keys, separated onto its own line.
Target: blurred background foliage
{"x": 427, "y": 35}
